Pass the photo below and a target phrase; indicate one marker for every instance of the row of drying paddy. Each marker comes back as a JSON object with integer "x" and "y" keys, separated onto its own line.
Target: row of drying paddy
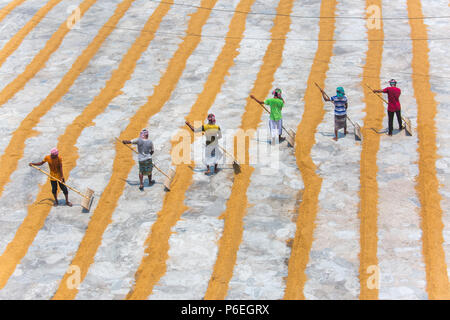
{"x": 52, "y": 126}
{"x": 122, "y": 246}
{"x": 187, "y": 88}
{"x": 15, "y": 23}
{"x": 153, "y": 266}
{"x": 241, "y": 244}
{"x": 101, "y": 217}
{"x": 237, "y": 204}
{"x": 8, "y": 6}
{"x": 402, "y": 269}
{"x": 275, "y": 188}
{"x": 23, "y": 102}
{"x": 438, "y": 79}
{"x": 333, "y": 263}
{"x": 427, "y": 187}
{"x": 312, "y": 116}
{"x": 42, "y": 57}
{"x": 14, "y": 214}
{"x": 193, "y": 244}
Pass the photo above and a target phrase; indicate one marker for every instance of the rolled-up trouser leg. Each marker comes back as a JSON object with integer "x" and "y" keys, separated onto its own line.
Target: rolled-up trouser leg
{"x": 275, "y": 127}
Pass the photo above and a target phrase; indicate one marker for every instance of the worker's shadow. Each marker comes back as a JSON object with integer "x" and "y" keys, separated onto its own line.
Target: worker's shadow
{"x": 266, "y": 141}
{"x": 203, "y": 169}
{"x": 396, "y": 131}
{"x": 137, "y": 183}
{"x": 62, "y": 203}
{"x": 197, "y": 169}
{"x": 48, "y": 201}
{"x": 386, "y": 130}
{"x": 331, "y": 134}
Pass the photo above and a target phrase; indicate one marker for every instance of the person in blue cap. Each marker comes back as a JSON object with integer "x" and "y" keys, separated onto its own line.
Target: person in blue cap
{"x": 340, "y": 110}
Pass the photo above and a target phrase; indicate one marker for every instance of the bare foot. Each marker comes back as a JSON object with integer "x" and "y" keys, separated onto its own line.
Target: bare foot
{"x": 335, "y": 139}
{"x": 141, "y": 187}
{"x": 69, "y": 203}
{"x": 56, "y": 203}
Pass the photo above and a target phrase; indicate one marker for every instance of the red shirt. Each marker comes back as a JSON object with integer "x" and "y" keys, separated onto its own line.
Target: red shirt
{"x": 393, "y": 98}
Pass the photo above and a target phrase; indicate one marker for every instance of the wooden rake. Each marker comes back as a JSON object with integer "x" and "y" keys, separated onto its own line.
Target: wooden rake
{"x": 169, "y": 177}
{"x": 87, "y": 198}
{"x": 290, "y": 133}
{"x": 236, "y": 164}
{"x": 356, "y": 127}
{"x": 408, "y": 126}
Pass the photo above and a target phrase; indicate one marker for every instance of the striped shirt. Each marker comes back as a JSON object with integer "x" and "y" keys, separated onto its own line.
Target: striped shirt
{"x": 339, "y": 105}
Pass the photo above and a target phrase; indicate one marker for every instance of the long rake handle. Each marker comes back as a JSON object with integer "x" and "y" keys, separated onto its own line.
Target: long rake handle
{"x": 156, "y": 167}
{"x": 321, "y": 90}
{"x": 351, "y": 121}
{"x": 129, "y": 147}
{"x": 73, "y": 189}
{"x": 221, "y": 148}
{"x": 377, "y": 94}
{"x": 382, "y": 99}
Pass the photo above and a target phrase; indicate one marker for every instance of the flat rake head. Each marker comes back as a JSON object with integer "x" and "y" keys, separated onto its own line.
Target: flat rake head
{"x": 168, "y": 180}
{"x": 87, "y": 200}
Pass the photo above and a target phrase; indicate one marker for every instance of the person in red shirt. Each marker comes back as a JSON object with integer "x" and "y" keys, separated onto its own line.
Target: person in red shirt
{"x": 394, "y": 106}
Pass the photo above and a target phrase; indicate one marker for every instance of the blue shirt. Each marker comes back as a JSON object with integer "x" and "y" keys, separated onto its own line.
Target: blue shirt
{"x": 339, "y": 105}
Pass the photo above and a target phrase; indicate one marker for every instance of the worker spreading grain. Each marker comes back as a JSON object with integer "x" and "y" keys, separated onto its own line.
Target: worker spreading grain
{"x": 56, "y": 171}
{"x": 340, "y": 110}
{"x": 276, "y": 120}
{"x": 145, "y": 150}
{"x": 394, "y": 106}
{"x": 213, "y": 134}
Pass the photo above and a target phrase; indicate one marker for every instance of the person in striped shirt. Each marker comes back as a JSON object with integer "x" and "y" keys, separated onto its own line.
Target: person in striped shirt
{"x": 340, "y": 110}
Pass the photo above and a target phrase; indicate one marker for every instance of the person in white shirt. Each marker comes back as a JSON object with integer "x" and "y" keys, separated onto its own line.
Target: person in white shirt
{"x": 145, "y": 152}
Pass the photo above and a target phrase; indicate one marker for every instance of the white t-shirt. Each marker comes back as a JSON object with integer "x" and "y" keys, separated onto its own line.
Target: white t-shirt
{"x": 145, "y": 146}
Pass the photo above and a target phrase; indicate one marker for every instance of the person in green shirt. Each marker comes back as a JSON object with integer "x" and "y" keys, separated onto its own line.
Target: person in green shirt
{"x": 276, "y": 105}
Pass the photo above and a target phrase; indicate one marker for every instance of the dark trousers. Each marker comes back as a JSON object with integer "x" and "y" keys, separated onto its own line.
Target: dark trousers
{"x": 55, "y": 187}
{"x": 391, "y": 120}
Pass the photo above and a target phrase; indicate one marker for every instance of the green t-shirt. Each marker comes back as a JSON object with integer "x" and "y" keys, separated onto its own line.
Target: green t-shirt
{"x": 275, "y": 108}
